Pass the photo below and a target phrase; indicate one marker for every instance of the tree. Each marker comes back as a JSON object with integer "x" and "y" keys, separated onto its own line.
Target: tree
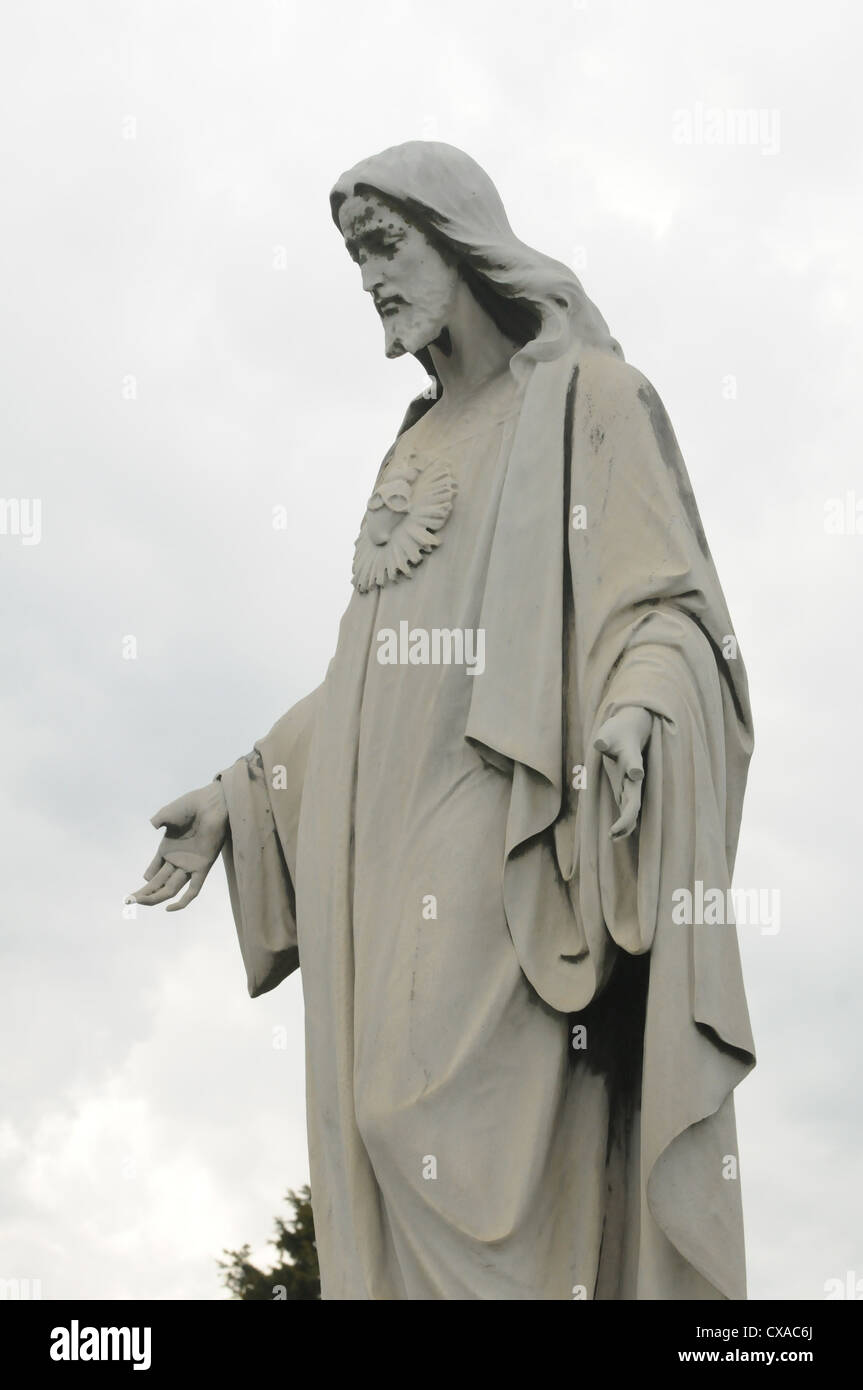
{"x": 296, "y": 1273}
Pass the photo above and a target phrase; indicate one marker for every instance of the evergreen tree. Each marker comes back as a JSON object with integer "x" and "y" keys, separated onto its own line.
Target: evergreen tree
{"x": 294, "y": 1275}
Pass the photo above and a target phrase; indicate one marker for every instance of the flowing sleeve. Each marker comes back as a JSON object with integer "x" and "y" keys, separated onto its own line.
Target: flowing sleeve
{"x": 263, "y": 794}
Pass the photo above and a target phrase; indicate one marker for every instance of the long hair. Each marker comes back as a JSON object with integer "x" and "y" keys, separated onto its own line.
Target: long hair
{"x": 532, "y": 298}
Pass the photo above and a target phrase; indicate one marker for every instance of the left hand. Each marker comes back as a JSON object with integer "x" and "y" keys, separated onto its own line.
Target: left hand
{"x": 621, "y": 740}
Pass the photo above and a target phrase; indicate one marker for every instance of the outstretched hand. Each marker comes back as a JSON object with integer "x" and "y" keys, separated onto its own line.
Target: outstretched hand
{"x": 195, "y": 827}
{"x": 621, "y": 740}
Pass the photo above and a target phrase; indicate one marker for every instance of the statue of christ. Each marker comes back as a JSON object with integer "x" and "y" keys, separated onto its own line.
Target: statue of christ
{"x": 534, "y": 732}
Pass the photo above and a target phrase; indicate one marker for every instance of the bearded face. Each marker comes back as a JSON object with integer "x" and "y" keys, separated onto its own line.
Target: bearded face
{"x": 412, "y": 285}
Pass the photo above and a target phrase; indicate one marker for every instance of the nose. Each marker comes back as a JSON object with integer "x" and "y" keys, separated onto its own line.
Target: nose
{"x": 373, "y": 274}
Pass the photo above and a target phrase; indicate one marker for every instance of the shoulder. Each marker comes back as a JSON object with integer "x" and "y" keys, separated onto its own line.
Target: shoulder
{"x": 609, "y": 381}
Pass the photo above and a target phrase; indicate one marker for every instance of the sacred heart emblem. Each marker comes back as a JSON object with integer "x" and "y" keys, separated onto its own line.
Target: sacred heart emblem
{"x": 406, "y": 510}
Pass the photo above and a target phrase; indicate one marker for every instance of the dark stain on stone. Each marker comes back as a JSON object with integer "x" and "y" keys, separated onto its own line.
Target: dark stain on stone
{"x": 615, "y": 1022}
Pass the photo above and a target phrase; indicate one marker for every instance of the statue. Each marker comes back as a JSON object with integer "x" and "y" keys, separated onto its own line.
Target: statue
{"x": 534, "y": 733}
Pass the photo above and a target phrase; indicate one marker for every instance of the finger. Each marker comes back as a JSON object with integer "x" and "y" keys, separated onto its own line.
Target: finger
{"x": 151, "y": 892}
{"x": 177, "y": 880}
{"x": 154, "y": 866}
{"x": 630, "y": 760}
{"x": 142, "y": 896}
{"x": 614, "y": 772}
{"x": 608, "y": 735}
{"x": 606, "y": 740}
{"x": 158, "y": 878}
{"x": 629, "y": 809}
{"x": 194, "y": 888}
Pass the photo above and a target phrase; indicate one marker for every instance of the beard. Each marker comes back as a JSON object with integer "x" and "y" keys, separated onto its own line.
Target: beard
{"x": 414, "y": 325}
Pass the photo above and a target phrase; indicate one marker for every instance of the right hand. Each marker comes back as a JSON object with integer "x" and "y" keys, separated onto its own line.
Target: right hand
{"x": 195, "y": 829}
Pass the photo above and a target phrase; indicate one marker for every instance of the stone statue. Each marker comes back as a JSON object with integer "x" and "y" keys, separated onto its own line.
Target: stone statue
{"x": 533, "y": 735}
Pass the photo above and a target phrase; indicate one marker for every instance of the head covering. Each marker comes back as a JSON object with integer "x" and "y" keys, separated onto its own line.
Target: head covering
{"x": 446, "y": 191}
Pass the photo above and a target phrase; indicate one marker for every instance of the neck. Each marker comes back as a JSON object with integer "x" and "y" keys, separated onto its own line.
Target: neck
{"x": 471, "y": 348}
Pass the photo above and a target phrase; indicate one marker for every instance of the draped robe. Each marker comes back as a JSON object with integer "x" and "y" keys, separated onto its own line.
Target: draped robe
{"x": 529, "y": 1094}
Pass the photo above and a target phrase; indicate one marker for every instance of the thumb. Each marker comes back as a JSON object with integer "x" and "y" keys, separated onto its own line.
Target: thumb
{"x": 172, "y": 817}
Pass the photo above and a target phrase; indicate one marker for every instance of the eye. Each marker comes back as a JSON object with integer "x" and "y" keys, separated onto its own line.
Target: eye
{"x": 379, "y": 243}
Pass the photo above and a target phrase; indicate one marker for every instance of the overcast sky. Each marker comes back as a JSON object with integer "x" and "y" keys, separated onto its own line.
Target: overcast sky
{"x": 185, "y": 346}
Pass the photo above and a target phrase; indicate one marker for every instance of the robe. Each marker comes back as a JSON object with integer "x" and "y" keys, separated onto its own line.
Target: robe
{"x": 520, "y": 1065}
